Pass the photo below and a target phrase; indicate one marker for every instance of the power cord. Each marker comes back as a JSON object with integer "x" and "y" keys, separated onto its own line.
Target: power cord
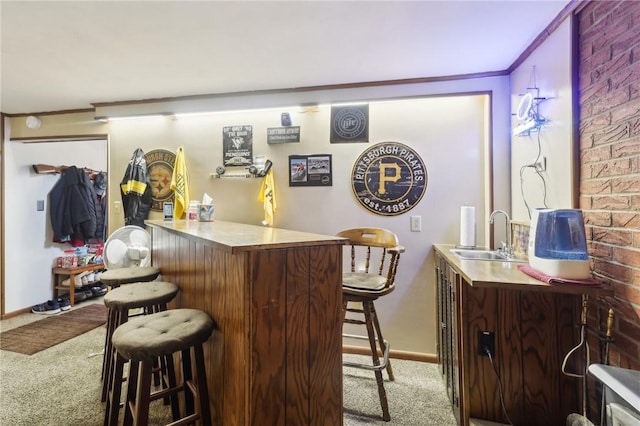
{"x": 584, "y": 344}
{"x": 539, "y": 173}
{"x": 495, "y": 370}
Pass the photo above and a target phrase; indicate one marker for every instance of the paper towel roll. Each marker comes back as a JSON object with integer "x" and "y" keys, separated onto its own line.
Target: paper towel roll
{"x": 468, "y": 226}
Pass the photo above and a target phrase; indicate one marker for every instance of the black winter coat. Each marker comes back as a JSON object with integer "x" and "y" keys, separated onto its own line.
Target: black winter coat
{"x": 72, "y": 202}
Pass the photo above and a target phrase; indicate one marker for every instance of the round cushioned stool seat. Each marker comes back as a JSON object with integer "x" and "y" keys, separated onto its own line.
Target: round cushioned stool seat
{"x": 150, "y": 336}
{"x": 139, "y": 296}
{"x": 116, "y": 277}
{"x": 144, "y": 339}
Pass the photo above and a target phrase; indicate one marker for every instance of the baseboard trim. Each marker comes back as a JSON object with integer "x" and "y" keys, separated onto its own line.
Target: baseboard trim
{"x": 15, "y": 313}
{"x": 396, "y": 354}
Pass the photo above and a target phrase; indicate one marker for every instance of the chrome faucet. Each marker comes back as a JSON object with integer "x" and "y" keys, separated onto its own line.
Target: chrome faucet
{"x": 506, "y": 248}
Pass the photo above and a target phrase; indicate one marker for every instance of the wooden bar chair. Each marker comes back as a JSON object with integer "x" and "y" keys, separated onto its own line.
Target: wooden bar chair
{"x": 374, "y": 255}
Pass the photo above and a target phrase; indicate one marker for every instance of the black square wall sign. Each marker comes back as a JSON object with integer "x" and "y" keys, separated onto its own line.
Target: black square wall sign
{"x": 350, "y": 123}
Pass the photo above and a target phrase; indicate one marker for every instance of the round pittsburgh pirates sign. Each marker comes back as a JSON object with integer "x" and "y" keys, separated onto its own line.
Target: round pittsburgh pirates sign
{"x": 160, "y": 169}
{"x": 389, "y": 178}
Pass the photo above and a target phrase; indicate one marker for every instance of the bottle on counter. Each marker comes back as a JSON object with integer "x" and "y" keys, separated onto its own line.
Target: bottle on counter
{"x": 192, "y": 210}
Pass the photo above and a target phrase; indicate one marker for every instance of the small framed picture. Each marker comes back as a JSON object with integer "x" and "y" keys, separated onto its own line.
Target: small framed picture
{"x": 310, "y": 170}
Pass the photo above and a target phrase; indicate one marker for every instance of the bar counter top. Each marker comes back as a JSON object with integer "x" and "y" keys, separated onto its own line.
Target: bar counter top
{"x": 234, "y": 237}
{"x": 506, "y": 275}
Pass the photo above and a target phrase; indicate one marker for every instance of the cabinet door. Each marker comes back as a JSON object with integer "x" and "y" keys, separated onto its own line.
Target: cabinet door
{"x": 447, "y": 284}
{"x": 452, "y": 281}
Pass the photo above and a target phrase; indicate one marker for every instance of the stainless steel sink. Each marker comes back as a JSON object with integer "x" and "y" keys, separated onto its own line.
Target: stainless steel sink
{"x": 470, "y": 254}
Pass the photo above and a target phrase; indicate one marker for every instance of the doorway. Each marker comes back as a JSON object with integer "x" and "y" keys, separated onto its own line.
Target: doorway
{"x": 29, "y": 250}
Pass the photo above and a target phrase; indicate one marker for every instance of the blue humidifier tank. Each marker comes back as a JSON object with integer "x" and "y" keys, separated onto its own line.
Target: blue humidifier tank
{"x": 558, "y": 244}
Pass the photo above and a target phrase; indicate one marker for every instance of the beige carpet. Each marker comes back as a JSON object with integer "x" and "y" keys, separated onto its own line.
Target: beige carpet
{"x": 61, "y": 386}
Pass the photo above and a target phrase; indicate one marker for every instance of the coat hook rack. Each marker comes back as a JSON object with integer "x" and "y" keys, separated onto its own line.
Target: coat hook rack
{"x": 48, "y": 169}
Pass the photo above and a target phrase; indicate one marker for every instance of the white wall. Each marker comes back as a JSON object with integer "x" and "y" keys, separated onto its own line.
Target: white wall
{"x": 552, "y": 62}
{"x": 447, "y": 134}
{"x": 29, "y": 250}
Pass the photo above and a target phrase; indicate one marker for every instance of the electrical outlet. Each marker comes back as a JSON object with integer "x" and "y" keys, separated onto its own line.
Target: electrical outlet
{"x": 541, "y": 164}
{"x": 486, "y": 341}
{"x": 416, "y": 223}
{"x": 117, "y": 206}
{"x": 40, "y": 205}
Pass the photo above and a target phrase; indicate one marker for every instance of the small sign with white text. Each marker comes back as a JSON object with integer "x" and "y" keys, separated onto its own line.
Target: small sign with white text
{"x": 283, "y": 134}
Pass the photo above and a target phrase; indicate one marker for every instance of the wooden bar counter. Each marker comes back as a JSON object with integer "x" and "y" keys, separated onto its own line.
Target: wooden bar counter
{"x": 275, "y": 295}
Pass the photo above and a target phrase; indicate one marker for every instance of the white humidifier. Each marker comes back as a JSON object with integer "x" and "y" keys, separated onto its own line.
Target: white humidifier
{"x": 558, "y": 245}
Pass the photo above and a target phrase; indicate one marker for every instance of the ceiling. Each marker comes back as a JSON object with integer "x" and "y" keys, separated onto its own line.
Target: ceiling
{"x": 68, "y": 55}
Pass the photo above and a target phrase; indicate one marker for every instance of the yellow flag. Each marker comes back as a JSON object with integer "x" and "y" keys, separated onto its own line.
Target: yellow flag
{"x": 268, "y": 197}
{"x": 180, "y": 185}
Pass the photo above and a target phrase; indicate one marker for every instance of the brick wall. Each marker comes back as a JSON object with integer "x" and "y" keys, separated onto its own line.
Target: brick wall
{"x": 609, "y": 88}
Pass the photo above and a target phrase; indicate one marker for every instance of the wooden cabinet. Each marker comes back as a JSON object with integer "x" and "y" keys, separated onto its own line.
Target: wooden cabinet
{"x": 534, "y": 326}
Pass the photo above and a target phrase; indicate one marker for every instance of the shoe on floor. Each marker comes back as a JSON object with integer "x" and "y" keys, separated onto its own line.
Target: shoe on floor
{"x": 64, "y": 303}
{"x": 99, "y": 290}
{"x": 79, "y": 296}
{"x": 49, "y": 307}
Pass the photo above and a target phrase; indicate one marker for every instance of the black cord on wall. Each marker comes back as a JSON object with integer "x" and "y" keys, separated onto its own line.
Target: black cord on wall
{"x": 538, "y": 172}
{"x": 495, "y": 370}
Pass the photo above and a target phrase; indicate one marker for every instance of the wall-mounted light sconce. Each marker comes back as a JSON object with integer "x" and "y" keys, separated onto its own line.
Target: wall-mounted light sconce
{"x": 33, "y": 122}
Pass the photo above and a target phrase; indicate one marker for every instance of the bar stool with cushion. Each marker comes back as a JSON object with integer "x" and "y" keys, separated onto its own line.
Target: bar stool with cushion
{"x": 116, "y": 277}
{"x": 144, "y": 339}
{"x": 151, "y": 297}
{"x": 374, "y": 256}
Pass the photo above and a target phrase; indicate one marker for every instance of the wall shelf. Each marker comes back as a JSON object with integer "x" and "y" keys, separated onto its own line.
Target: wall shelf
{"x": 244, "y": 172}
{"x": 233, "y": 175}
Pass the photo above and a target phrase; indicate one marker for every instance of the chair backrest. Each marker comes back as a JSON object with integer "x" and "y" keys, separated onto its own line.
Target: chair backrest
{"x": 374, "y": 248}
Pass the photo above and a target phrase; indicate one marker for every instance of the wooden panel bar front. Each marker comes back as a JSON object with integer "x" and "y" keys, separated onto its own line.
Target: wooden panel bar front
{"x": 275, "y": 358}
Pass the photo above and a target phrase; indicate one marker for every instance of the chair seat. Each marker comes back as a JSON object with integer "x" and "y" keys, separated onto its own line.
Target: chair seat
{"x": 129, "y": 275}
{"x": 140, "y": 296}
{"x": 150, "y": 336}
{"x": 363, "y": 281}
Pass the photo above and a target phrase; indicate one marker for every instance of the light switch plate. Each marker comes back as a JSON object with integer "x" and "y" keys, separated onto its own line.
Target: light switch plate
{"x": 416, "y": 223}
{"x": 40, "y": 205}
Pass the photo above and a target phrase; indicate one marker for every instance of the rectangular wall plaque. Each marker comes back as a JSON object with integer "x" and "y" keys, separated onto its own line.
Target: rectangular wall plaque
{"x": 288, "y": 134}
